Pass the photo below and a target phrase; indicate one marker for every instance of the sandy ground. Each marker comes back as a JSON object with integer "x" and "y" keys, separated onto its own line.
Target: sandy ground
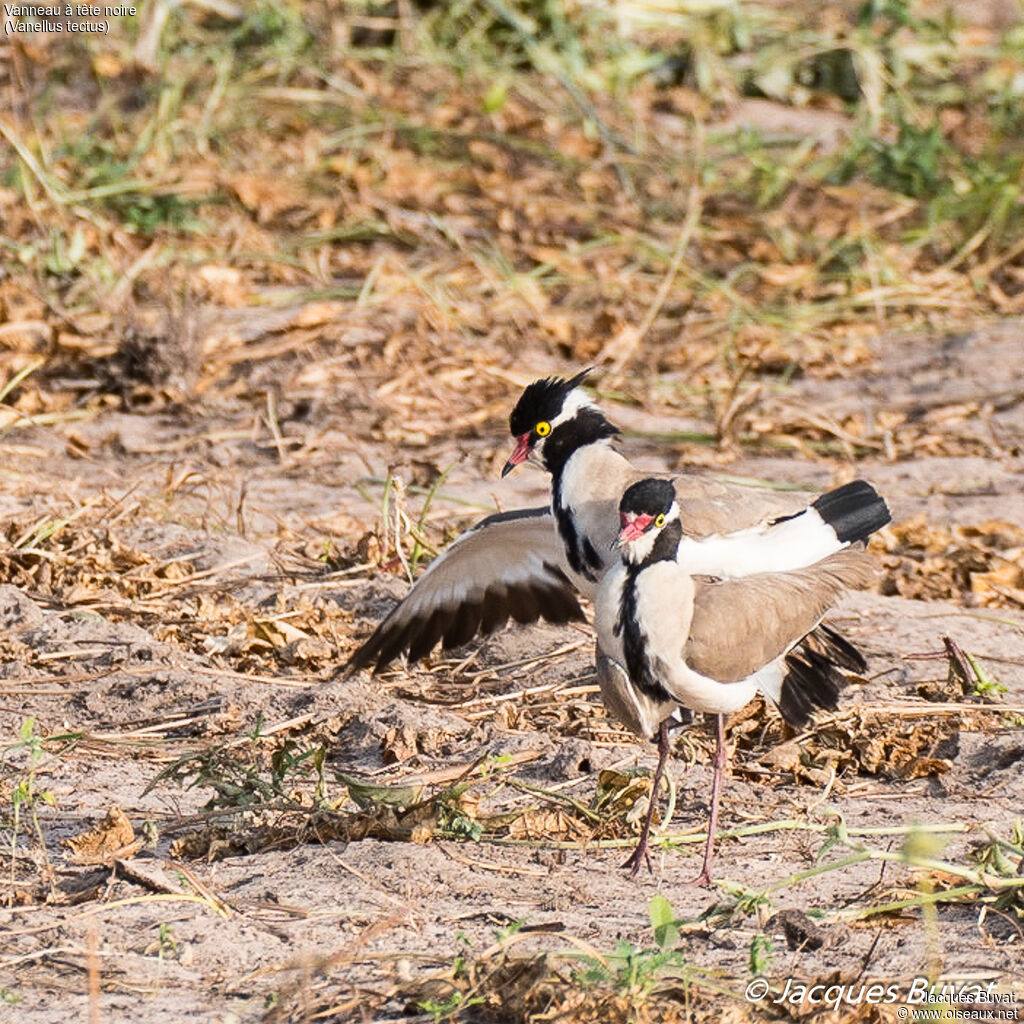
{"x": 231, "y": 646}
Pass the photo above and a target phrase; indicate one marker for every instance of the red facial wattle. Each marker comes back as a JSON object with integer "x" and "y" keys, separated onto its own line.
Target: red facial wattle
{"x": 632, "y": 527}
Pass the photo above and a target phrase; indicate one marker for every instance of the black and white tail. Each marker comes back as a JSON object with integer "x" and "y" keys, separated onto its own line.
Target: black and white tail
{"x": 853, "y": 511}
{"x": 815, "y": 667}
{"x": 837, "y": 519}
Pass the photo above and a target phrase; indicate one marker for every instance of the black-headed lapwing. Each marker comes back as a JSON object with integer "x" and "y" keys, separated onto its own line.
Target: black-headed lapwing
{"x": 532, "y": 563}
{"x": 705, "y": 624}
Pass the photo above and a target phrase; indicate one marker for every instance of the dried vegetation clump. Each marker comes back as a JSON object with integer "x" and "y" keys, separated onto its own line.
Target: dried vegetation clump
{"x": 981, "y": 565}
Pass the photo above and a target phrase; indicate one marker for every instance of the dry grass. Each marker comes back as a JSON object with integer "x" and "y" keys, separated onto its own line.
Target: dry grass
{"x": 406, "y": 225}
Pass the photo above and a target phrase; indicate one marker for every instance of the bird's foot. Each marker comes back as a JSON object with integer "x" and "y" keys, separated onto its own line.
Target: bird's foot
{"x": 637, "y": 857}
{"x": 703, "y": 880}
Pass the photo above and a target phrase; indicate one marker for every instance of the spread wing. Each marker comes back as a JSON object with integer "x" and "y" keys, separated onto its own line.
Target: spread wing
{"x": 637, "y": 711}
{"x": 509, "y": 565}
{"x": 741, "y": 625}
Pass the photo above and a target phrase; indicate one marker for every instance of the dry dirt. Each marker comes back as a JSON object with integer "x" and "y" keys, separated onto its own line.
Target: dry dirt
{"x": 205, "y": 588}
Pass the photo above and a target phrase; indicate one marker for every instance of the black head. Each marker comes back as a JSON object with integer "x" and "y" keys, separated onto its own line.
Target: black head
{"x": 541, "y": 402}
{"x": 553, "y": 419}
{"x": 649, "y": 528}
{"x": 651, "y": 497}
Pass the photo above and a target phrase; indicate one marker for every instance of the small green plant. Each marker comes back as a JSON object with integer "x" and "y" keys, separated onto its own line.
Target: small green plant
{"x": 65, "y": 253}
{"x": 419, "y": 547}
{"x": 633, "y": 972}
{"x": 761, "y": 950}
{"x": 887, "y": 15}
{"x": 459, "y": 963}
{"x": 493, "y": 763}
{"x": 663, "y": 922}
{"x": 745, "y": 902}
{"x": 446, "y": 1010}
{"x": 240, "y": 782}
{"x": 144, "y": 212}
{"x": 504, "y": 934}
{"x": 26, "y": 795}
{"x": 459, "y": 826}
{"x": 289, "y": 761}
{"x": 912, "y": 164}
{"x": 1000, "y": 856}
{"x": 966, "y": 671}
{"x": 165, "y": 945}
{"x": 984, "y": 684}
{"x": 273, "y": 27}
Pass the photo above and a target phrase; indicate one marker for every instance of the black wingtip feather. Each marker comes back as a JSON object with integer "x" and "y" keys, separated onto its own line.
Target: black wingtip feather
{"x": 854, "y": 511}
{"x": 423, "y": 641}
{"x": 838, "y": 649}
{"x": 520, "y": 605}
{"x": 793, "y": 705}
{"x": 563, "y": 607}
{"x": 391, "y": 645}
{"x": 464, "y": 626}
{"x": 364, "y": 656}
{"x": 812, "y": 682}
{"x": 494, "y": 613}
{"x": 454, "y": 627}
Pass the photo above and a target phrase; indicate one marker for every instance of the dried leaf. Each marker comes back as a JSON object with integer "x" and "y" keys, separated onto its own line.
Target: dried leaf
{"x": 369, "y": 794}
{"x": 113, "y": 838}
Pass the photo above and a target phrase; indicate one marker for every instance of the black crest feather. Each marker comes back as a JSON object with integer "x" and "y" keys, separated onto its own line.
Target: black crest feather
{"x": 542, "y": 400}
{"x": 648, "y": 497}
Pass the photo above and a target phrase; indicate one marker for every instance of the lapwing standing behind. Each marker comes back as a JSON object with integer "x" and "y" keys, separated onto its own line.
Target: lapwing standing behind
{"x": 533, "y": 563}
{"x": 678, "y": 626}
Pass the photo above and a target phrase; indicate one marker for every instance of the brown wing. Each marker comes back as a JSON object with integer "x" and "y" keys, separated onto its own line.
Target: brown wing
{"x": 711, "y": 506}
{"x": 632, "y": 707}
{"x": 510, "y": 565}
{"x": 741, "y": 625}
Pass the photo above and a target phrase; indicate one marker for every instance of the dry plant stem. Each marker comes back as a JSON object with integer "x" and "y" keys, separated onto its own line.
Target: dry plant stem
{"x": 629, "y": 345}
{"x": 956, "y": 655}
{"x": 981, "y": 883}
{"x": 560, "y": 798}
{"x": 37, "y": 171}
{"x": 640, "y": 854}
{"x": 767, "y": 827}
{"x": 93, "y": 969}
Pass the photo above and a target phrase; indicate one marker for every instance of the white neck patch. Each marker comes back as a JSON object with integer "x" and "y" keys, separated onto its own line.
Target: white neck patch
{"x": 574, "y": 401}
{"x": 636, "y": 551}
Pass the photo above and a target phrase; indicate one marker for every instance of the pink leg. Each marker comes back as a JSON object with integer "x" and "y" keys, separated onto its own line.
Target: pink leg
{"x": 704, "y": 878}
{"x": 640, "y": 854}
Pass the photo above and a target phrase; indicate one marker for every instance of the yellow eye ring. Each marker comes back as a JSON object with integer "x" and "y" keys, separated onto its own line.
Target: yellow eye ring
{"x": 659, "y": 522}
{"x": 542, "y": 429}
